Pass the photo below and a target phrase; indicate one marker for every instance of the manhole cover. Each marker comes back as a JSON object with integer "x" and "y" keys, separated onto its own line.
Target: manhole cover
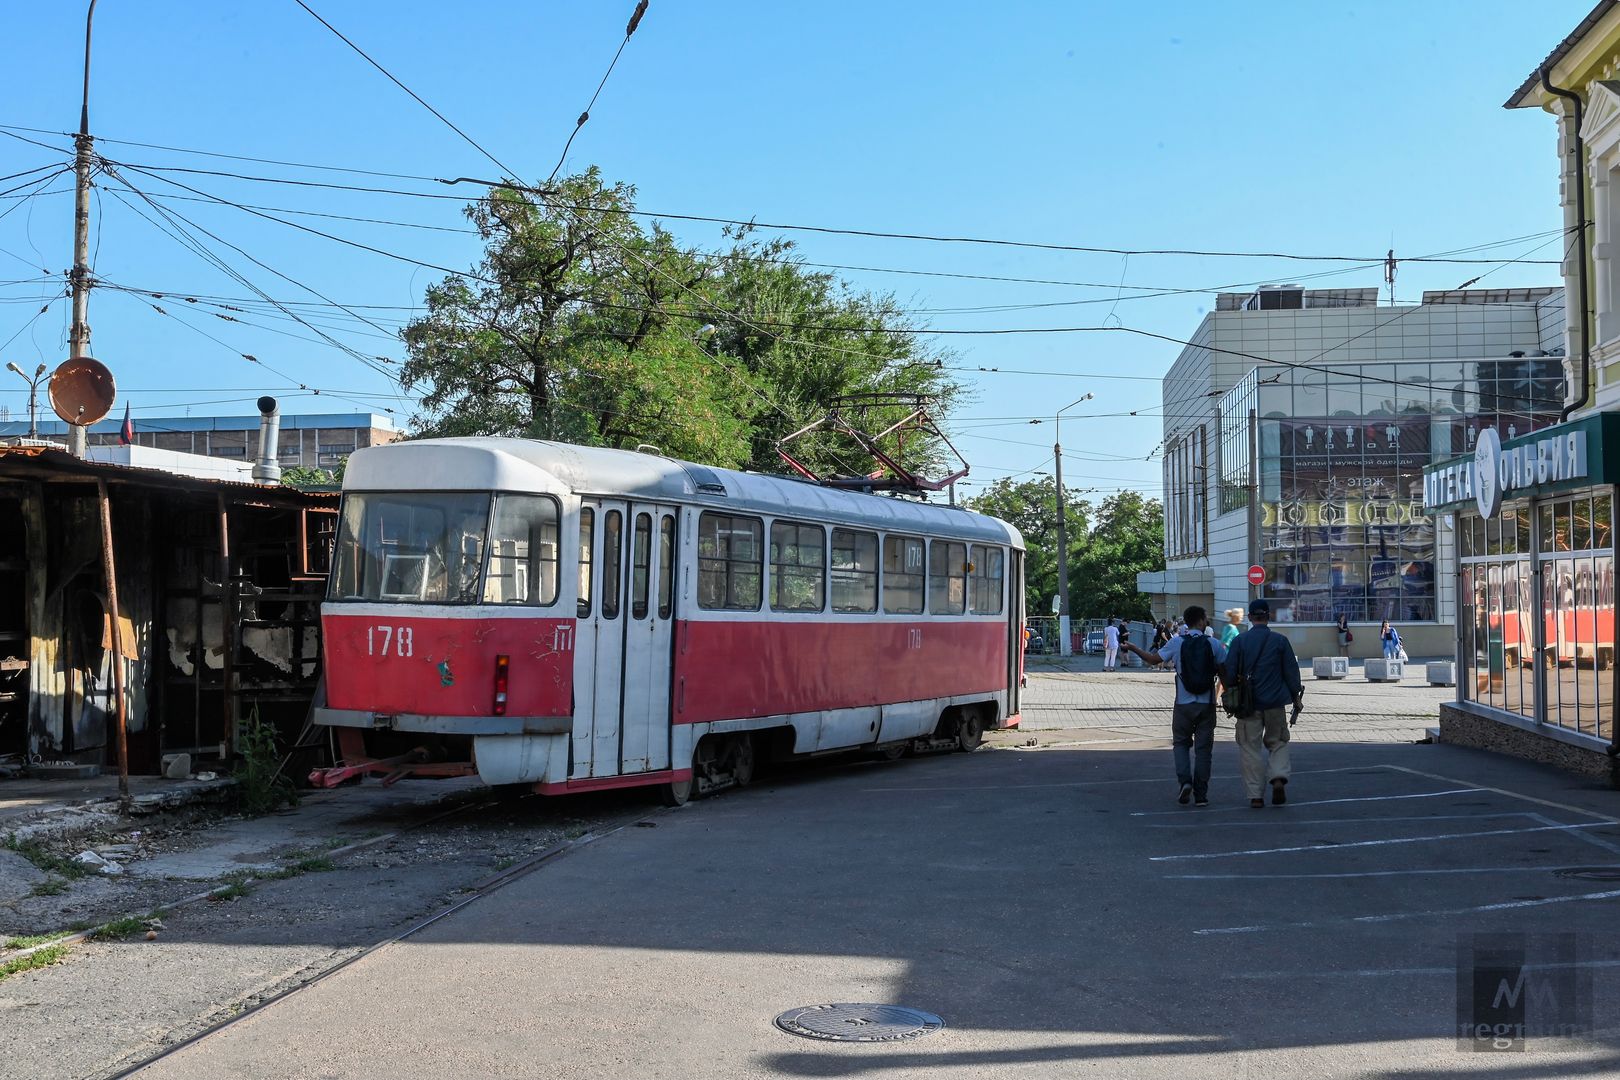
{"x": 859, "y": 1023}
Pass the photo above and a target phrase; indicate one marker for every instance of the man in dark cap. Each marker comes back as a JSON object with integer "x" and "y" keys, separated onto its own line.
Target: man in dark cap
{"x": 1266, "y": 659}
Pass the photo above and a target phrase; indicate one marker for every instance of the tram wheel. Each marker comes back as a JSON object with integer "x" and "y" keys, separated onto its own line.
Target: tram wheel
{"x": 676, "y": 792}
{"x": 969, "y": 730}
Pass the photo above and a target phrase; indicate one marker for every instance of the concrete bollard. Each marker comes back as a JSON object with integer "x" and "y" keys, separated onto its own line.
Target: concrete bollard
{"x": 1330, "y": 667}
{"x": 1442, "y": 672}
{"x": 1380, "y": 670}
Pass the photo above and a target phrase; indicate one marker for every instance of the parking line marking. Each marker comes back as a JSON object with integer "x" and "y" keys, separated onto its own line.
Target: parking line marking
{"x": 1449, "y": 972}
{"x": 1327, "y": 802}
{"x": 1274, "y": 821}
{"x": 1168, "y": 781}
{"x": 1511, "y": 794}
{"x": 1389, "y": 873}
{"x": 1510, "y": 905}
{"x": 1384, "y": 842}
{"x": 1596, "y": 841}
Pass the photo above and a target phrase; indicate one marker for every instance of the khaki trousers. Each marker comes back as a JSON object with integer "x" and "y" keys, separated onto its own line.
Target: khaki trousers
{"x": 1268, "y": 728}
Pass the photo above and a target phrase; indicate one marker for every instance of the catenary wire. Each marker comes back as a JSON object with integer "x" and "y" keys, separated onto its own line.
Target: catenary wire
{"x": 635, "y": 21}
{"x": 470, "y": 141}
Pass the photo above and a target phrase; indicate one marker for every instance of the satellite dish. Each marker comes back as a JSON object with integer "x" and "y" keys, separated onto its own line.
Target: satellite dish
{"x": 82, "y": 391}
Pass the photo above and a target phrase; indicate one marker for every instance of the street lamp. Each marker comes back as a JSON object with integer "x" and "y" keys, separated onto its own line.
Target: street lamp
{"x": 1065, "y": 646}
{"x": 33, "y": 394}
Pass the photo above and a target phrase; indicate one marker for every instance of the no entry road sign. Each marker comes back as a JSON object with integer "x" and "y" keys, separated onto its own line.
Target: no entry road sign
{"x": 1257, "y": 575}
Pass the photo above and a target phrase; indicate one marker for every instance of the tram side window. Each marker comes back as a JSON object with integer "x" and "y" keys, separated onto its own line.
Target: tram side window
{"x": 947, "y": 578}
{"x": 730, "y": 567}
{"x": 854, "y": 571}
{"x": 666, "y": 566}
{"x": 587, "y": 541}
{"x": 902, "y": 575}
{"x": 985, "y": 581}
{"x": 612, "y": 556}
{"x": 640, "y": 566}
{"x": 798, "y": 567}
{"x": 522, "y": 566}
{"x": 410, "y": 547}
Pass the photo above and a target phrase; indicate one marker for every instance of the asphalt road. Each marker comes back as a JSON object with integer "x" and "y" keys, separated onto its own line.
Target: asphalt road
{"x": 1056, "y": 907}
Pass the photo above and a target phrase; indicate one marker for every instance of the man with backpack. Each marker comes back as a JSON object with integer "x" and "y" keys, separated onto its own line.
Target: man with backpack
{"x": 1197, "y": 658}
{"x": 1262, "y": 680}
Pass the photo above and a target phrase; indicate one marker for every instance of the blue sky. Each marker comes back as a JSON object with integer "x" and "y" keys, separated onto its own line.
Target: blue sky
{"x": 1243, "y": 127}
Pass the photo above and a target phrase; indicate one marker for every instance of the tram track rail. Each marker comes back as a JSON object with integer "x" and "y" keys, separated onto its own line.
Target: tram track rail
{"x": 477, "y": 891}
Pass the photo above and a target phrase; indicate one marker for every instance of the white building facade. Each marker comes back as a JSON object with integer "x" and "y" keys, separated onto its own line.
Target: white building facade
{"x": 1297, "y": 427}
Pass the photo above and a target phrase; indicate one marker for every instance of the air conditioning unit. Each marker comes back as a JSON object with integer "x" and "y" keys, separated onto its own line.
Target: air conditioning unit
{"x": 1276, "y": 298}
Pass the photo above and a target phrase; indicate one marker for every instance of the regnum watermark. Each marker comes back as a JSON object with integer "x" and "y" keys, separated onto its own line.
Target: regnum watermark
{"x": 1515, "y": 990}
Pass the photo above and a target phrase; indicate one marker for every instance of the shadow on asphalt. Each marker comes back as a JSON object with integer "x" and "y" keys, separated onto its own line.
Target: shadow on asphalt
{"x": 1057, "y": 893}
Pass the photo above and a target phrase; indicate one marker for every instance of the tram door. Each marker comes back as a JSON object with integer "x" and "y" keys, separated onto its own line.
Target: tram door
{"x": 599, "y": 645}
{"x": 650, "y": 585}
{"x": 623, "y": 651}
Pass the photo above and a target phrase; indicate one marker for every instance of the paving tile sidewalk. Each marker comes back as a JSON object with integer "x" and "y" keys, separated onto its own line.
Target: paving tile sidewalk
{"x": 1075, "y": 695}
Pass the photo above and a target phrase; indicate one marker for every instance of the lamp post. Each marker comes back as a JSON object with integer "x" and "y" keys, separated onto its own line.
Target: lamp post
{"x": 1065, "y": 646}
{"x": 33, "y": 395}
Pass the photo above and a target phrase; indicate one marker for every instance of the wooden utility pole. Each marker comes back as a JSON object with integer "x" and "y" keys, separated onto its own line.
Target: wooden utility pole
{"x": 79, "y": 279}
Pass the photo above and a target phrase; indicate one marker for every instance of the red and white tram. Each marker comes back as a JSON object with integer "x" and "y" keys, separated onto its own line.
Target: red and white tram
{"x": 590, "y": 618}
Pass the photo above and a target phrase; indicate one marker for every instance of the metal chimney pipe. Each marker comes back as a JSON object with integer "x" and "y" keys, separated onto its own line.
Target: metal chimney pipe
{"x": 267, "y": 470}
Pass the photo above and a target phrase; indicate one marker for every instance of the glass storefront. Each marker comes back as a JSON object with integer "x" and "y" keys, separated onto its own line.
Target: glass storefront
{"x": 1535, "y": 578}
{"x": 1537, "y": 610}
{"x": 1342, "y": 452}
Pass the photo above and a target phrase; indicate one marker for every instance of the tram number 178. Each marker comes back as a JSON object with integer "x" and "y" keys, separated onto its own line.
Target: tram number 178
{"x": 379, "y": 639}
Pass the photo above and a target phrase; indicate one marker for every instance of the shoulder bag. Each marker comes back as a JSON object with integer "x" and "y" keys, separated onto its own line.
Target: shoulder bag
{"x": 1238, "y": 699}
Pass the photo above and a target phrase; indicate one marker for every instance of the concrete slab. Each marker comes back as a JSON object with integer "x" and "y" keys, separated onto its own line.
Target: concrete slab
{"x": 321, "y": 818}
{"x": 18, "y": 876}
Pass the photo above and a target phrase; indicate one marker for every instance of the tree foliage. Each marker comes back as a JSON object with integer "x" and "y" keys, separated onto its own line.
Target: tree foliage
{"x": 1109, "y": 543}
{"x": 581, "y": 324}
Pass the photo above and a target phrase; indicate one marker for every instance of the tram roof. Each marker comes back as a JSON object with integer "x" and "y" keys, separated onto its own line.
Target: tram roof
{"x": 503, "y": 464}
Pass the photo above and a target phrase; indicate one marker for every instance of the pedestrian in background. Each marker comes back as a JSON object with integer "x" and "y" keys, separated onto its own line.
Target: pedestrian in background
{"x": 1233, "y": 627}
{"x": 1391, "y": 639}
{"x": 1197, "y": 658}
{"x": 1345, "y": 636}
{"x": 1265, "y": 660}
{"x": 1111, "y": 646}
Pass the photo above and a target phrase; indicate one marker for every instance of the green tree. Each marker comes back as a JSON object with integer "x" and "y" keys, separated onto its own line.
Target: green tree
{"x": 583, "y": 325}
{"x": 574, "y": 327}
{"x": 1126, "y": 538}
{"x": 310, "y": 478}
{"x": 1030, "y": 506}
{"x": 808, "y": 341}
{"x": 1109, "y": 544}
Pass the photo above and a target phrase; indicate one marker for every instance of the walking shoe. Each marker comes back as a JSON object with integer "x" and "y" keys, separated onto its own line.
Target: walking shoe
{"x": 1186, "y": 794}
{"x": 1278, "y": 794}
{"x": 1257, "y": 804}
{"x": 1202, "y": 800}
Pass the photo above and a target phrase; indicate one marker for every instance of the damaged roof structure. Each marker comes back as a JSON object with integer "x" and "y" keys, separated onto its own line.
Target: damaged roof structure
{"x": 217, "y": 589}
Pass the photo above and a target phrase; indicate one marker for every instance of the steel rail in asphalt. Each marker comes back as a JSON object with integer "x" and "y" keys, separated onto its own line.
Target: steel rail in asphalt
{"x": 480, "y": 890}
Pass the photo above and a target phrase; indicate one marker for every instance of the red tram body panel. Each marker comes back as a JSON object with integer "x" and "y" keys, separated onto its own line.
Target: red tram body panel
{"x": 574, "y": 618}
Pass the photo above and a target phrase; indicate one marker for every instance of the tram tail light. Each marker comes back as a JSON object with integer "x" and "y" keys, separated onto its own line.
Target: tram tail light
{"x": 503, "y": 671}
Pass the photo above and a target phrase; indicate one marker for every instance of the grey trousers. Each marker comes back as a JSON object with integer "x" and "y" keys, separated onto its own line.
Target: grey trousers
{"x": 1267, "y": 728}
{"x": 1192, "y": 737}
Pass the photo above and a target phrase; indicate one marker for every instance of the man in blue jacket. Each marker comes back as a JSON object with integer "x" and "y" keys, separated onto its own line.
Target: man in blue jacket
{"x": 1267, "y": 660}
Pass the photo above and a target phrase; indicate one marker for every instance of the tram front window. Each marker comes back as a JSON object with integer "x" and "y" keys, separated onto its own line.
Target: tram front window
{"x": 411, "y": 547}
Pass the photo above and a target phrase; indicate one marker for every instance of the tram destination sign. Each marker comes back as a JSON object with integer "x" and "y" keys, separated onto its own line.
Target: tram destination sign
{"x": 1544, "y": 462}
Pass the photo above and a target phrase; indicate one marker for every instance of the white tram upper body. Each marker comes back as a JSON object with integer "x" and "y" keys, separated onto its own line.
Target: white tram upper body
{"x": 594, "y": 618}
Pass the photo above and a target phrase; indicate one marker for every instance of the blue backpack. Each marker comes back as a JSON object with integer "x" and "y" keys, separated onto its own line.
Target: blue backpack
{"x": 1196, "y": 664}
